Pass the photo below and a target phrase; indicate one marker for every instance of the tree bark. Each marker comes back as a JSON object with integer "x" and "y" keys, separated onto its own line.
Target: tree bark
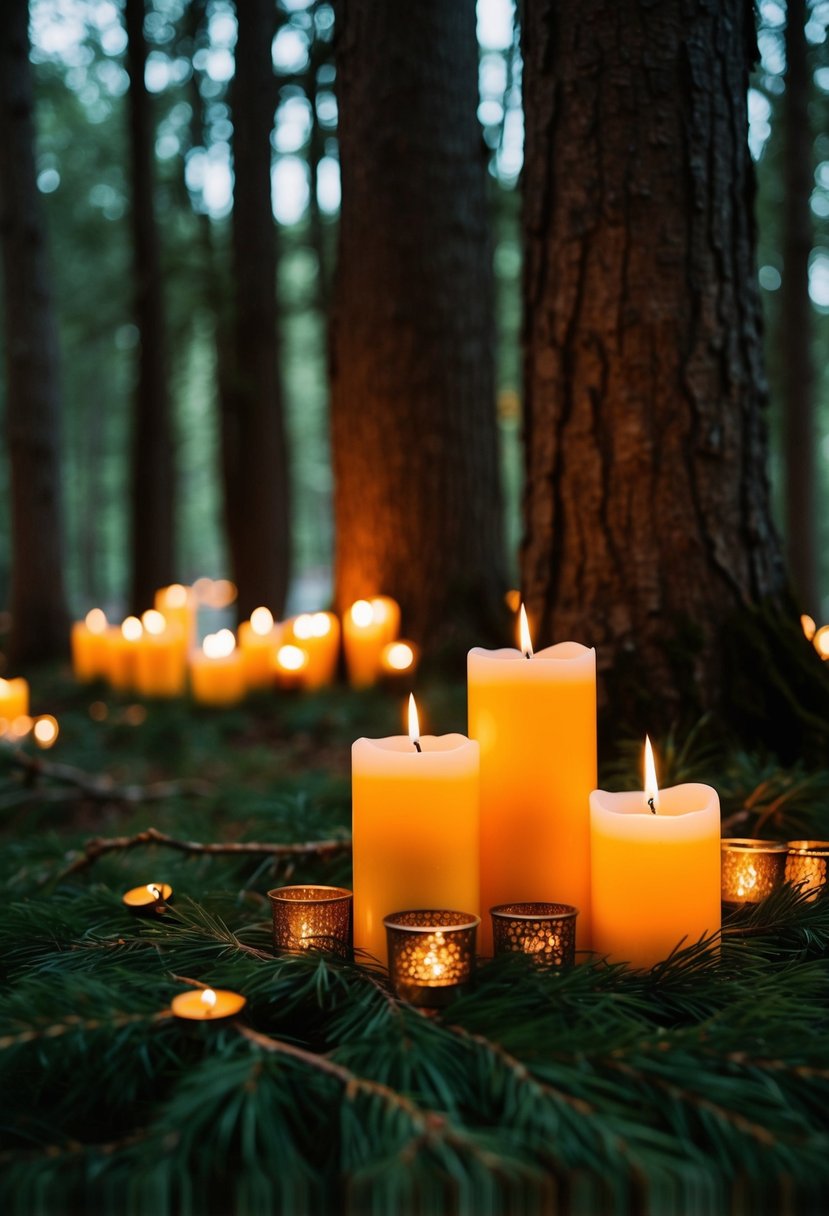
{"x": 648, "y": 521}
{"x": 254, "y": 446}
{"x": 796, "y": 319}
{"x": 152, "y": 487}
{"x": 416, "y": 500}
{"x": 33, "y": 396}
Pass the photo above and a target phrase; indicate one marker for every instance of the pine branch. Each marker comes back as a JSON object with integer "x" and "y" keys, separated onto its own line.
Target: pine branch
{"x": 71, "y": 1024}
{"x": 100, "y": 788}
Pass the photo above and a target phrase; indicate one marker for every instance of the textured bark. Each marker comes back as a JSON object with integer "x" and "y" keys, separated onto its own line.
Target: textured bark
{"x": 33, "y": 398}
{"x": 796, "y": 327}
{"x": 647, "y": 503}
{"x": 416, "y": 500}
{"x": 254, "y": 449}
{"x": 152, "y": 486}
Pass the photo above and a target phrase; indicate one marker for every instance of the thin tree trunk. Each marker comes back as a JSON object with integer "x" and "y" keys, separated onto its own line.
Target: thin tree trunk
{"x": 796, "y": 326}
{"x": 152, "y": 488}
{"x": 648, "y": 522}
{"x": 33, "y": 397}
{"x": 255, "y": 454}
{"x": 417, "y": 504}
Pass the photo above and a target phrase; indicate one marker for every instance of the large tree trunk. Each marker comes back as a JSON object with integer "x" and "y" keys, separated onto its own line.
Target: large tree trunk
{"x": 33, "y": 401}
{"x": 647, "y": 504}
{"x": 255, "y": 456}
{"x": 796, "y": 315}
{"x": 152, "y": 488}
{"x": 416, "y": 500}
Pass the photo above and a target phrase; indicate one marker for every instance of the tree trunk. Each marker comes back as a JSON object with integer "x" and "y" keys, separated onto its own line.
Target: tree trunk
{"x": 255, "y": 454}
{"x": 152, "y": 513}
{"x": 416, "y": 501}
{"x": 33, "y": 399}
{"x": 796, "y": 315}
{"x": 648, "y": 522}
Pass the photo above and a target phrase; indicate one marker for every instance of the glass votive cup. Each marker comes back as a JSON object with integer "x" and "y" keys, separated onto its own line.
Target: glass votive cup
{"x": 431, "y": 954}
{"x": 545, "y": 931}
{"x": 751, "y": 869}
{"x": 806, "y": 866}
{"x": 311, "y": 918}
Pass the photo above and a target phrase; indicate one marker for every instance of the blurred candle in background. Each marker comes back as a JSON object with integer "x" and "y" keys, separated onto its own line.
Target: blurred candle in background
{"x": 318, "y": 635}
{"x": 160, "y": 661}
{"x": 89, "y": 646}
{"x": 258, "y": 641}
{"x": 217, "y": 674}
{"x": 368, "y": 626}
{"x": 121, "y": 651}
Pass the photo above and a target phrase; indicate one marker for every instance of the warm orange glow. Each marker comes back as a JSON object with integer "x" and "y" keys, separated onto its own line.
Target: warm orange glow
{"x": 175, "y": 596}
{"x": 526, "y": 640}
{"x": 291, "y": 658}
{"x": 807, "y": 624}
{"x": 398, "y": 656}
{"x": 219, "y": 645}
{"x": 261, "y": 621}
{"x": 821, "y": 641}
{"x": 379, "y": 609}
{"x": 414, "y": 722}
{"x": 651, "y": 787}
{"x": 154, "y": 622}
{"x": 4, "y": 687}
{"x": 46, "y": 731}
{"x": 208, "y": 998}
{"x": 513, "y": 600}
{"x": 132, "y": 629}
{"x": 223, "y": 593}
{"x": 154, "y": 890}
{"x": 96, "y": 621}
{"x": 21, "y": 726}
{"x": 320, "y": 625}
{"x": 362, "y": 613}
{"x": 99, "y": 711}
{"x": 303, "y": 627}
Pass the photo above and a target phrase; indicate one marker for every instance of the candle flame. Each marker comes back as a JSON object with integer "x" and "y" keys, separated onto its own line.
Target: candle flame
{"x": 651, "y": 786}
{"x": 45, "y": 730}
{"x": 526, "y": 640}
{"x": 747, "y": 881}
{"x": 208, "y": 999}
{"x": 414, "y": 722}
{"x": 132, "y": 629}
{"x": 96, "y": 621}
{"x": 807, "y": 624}
{"x": 303, "y": 626}
{"x": 320, "y": 625}
{"x": 175, "y": 596}
{"x": 154, "y": 890}
{"x": 291, "y": 658}
{"x": 154, "y": 622}
{"x": 219, "y": 645}
{"x": 362, "y": 613}
{"x": 261, "y": 621}
{"x": 399, "y": 656}
{"x": 379, "y": 609}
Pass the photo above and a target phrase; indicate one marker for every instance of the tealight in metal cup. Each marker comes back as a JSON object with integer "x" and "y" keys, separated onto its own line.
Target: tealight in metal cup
{"x": 431, "y": 954}
{"x": 751, "y": 869}
{"x": 311, "y": 918}
{"x": 547, "y": 931}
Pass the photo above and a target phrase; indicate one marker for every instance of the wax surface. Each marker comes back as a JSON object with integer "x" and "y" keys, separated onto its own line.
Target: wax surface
{"x": 655, "y": 878}
{"x": 535, "y": 721}
{"x": 258, "y": 651}
{"x": 219, "y": 681}
{"x": 14, "y": 698}
{"x": 415, "y": 830}
{"x": 89, "y": 652}
{"x": 161, "y": 664}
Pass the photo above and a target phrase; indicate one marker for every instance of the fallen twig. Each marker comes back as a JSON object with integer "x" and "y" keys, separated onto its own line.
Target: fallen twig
{"x": 101, "y": 788}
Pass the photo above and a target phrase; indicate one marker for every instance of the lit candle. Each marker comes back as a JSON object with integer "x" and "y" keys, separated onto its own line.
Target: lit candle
{"x": 546, "y": 931}
{"x": 431, "y": 954}
{"x": 414, "y": 828}
{"x": 122, "y": 650}
{"x": 14, "y": 704}
{"x": 258, "y": 640}
{"x": 179, "y": 605}
{"x": 161, "y": 659}
{"x": 45, "y": 730}
{"x": 217, "y": 675}
{"x": 820, "y": 641}
{"x": 534, "y": 716}
{"x": 806, "y": 866}
{"x": 290, "y": 665}
{"x": 311, "y": 918}
{"x": 207, "y": 1005}
{"x": 318, "y": 635}
{"x": 398, "y": 660}
{"x": 655, "y": 862}
{"x": 368, "y": 626}
{"x": 751, "y": 869}
{"x": 148, "y": 899}
{"x": 89, "y": 648}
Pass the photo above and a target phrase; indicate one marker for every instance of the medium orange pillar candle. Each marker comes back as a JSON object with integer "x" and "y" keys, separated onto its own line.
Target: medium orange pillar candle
{"x": 534, "y": 716}
{"x": 368, "y": 626}
{"x": 318, "y": 634}
{"x": 414, "y": 829}
{"x": 655, "y": 862}
{"x": 217, "y": 673}
{"x": 89, "y": 646}
{"x": 122, "y": 650}
{"x": 14, "y": 701}
{"x": 161, "y": 660}
{"x": 179, "y": 605}
{"x": 259, "y": 640}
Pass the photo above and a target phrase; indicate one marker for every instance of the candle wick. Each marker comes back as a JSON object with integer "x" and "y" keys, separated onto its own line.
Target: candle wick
{"x": 416, "y": 742}
{"x": 650, "y": 804}
{"x": 527, "y": 654}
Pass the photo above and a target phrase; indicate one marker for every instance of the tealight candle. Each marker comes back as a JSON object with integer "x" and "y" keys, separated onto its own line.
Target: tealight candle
{"x": 207, "y": 1004}
{"x": 89, "y": 646}
{"x": 14, "y": 700}
{"x": 806, "y": 866}
{"x": 318, "y": 635}
{"x": 311, "y": 918}
{"x": 290, "y": 665}
{"x": 431, "y": 954}
{"x": 751, "y": 869}
{"x": 655, "y": 865}
{"x": 122, "y": 649}
{"x": 368, "y": 626}
{"x": 217, "y": 674}
{"x": 415, "y": 827}
{"x": 161, "y": 658}
{"x": 258, "y": 640}
{"x": 148, "y": 899}
{"x": 546, "y": 931}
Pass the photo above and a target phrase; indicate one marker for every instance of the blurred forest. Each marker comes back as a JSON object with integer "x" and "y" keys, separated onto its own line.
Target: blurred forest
{"x": 81, "y": 78}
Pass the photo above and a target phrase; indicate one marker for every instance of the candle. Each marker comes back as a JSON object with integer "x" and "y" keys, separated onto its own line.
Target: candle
{"x": 534, "y": 716}
{"x": 14, "y": 704}
{"x": 806, "y": 865}
{"x": 258, "y": 639}
{"x": 161, "y": 658}
{"x": 751, "y": 869}
{"x": 318, "y": 635}
{"x": 414, "y": 827}
{"x": 148, "y": 899}
{"x": 368, "y": 626}
{"x": 179, "y": 605}
{"x": 45, "y": 731}
{"x": 217, "y": 674}
{"x": 89, "y": 647}
{"x": 290, "y": 665}
{"x": 655, "y": 863}
{"x": 820, "y": 641}
{"x": 122, "y": 650}
{"x": 311, "y": 918}
{"x": 398, "y": 660}
{"x": 207, "y": 1005}
{"x": 546, "y": 931}
{"x": 431, "y": 954}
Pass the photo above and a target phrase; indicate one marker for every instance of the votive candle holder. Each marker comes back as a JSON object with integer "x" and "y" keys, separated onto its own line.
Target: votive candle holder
{"x": 547, "y": 931}
{"x": 751, "y": 869}
{"x": 431, "y": 954}
{"x": 806, "y": 866}
{"x": 311, "y": 918}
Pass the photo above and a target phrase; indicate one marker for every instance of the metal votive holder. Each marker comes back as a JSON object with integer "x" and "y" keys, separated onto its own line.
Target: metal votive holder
{"x": 431, "y": 954}
{"x": 806, "y": 866}
{"x": 311, "y": 918}
{"x": 751, "y": 869}
{"x": 545, "y": 931}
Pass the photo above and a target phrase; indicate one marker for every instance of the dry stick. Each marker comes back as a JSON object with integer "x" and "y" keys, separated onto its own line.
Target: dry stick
{"x": 102, "y": 788}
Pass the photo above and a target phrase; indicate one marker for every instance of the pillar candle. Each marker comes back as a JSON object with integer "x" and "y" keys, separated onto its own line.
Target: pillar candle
{"x": 89, "y": 646}
{"x": 368, "y": 626}
{"x": 414, "y": 830}
{"x": 161, "y": 658}
{"x": 655, "y": 876}
{"x": 180, "y": 606}
{"x": 535, "y": 721}
{"x": 217, "y": 673}
{"x": 121, "y": 651}
{"x": 259, "y": 639}
{"x": 318, "y": 634}
{"x": 14, "y": 701}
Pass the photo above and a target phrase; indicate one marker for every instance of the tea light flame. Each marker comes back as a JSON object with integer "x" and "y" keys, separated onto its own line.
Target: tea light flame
{"x": 414, "y": 723}
{"x": 96, "y": 621}
{"x": 175, "y": 596}
{"x": 291, "y": 658}
{"x": 154, "y": 622}
{"x": 132, "y": 629}
{"x": 261, "y": 621}
{"x": 362, "y": 613}
{"x": 208, "y": 999}
{"x": 651, "y": 786}
{"x": 747, "y": 881}
{"x": 154, "y": 890}
{"x": 219, "y": 645}
{"x": 526, "y": 640}
{"x": 399, "y": 656}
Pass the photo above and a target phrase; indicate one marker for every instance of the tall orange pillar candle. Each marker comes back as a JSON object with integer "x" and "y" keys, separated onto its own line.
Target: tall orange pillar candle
{"x": 368, "y": 626}
{"x": 89, "y": 646}
{"x": 259, "y": 640}
{"x": 14, "y": 701}
{"x": 655, "y": 861}
{"x": 122, "y": 651}
{"x": 534, "y": 716}
{"x": 414, "y": 829}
